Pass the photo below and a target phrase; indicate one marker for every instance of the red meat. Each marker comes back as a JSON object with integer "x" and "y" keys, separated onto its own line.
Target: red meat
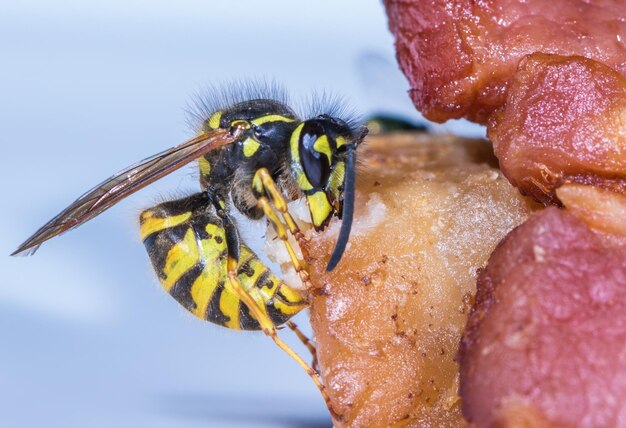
{"x": 546, "y": 339}
{"x": 564, "y": 121}
{"x": 459, "y": 55}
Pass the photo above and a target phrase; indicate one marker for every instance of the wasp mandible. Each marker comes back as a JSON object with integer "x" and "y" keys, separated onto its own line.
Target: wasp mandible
{"x": 254, "y": 154}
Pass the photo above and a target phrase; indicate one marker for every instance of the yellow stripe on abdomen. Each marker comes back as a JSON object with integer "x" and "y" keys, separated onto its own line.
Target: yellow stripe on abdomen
{"x": 150, "y": 224}
{"x": 213, "y": 257}
{"x": 229, "y": 306}
{"x": 202, "y": 290}
{"x": 182, "y": 256}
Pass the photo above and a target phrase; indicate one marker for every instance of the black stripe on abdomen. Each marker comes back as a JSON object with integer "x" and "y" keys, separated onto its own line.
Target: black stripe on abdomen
{"x": 213, "y": 312}
{"x": 246, "y": 320}
{"x": 181, "y": 290}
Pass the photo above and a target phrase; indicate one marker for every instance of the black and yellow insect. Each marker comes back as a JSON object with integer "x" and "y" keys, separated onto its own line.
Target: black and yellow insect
{"x": 254, "y": 154}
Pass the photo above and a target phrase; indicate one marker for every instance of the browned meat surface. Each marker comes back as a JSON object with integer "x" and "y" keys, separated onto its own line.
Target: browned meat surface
{"x": 545, "y": 344}
{"x": 564, "y": 121}
{"x": 459, "y": 55}
{"x": 388, "y": 322}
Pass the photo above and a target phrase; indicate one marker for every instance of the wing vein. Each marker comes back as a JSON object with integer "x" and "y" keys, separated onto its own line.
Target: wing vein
{"x": 126, "y": 182}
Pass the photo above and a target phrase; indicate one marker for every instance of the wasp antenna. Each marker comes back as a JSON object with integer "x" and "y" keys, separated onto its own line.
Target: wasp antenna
{"x": 348, "y": 208}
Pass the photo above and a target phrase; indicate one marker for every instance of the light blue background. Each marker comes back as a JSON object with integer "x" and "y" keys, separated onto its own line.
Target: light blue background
{"x": 87, "y": 338}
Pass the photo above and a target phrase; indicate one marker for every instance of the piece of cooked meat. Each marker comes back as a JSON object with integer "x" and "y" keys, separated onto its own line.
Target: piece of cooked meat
{"x": 388, "y": 319}
{"x": 459, "y": 55}
{"x": 600, "y": 209}
{"x": 545, "y": 344}
{"x": 564, "y": 121}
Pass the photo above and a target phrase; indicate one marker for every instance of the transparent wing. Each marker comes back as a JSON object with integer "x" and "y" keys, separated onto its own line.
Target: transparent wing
{"x": 125, "y": 183}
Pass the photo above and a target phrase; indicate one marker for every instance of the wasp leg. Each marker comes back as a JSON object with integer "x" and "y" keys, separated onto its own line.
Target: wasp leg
{"x": 270, "y": 330}
{"x": 306, "y": 342}
{"x": 299, "y": 265}
{"x": 189, "y": 244}
{"x": 258, "y": 311}
{"x": 263, "y": 184}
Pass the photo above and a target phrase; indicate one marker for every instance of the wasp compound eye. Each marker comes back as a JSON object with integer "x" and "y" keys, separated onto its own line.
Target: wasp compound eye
{"x": 315, "y": 154}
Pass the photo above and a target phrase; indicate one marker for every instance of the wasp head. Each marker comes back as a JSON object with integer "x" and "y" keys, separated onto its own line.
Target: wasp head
{"x": 323, "y": 162}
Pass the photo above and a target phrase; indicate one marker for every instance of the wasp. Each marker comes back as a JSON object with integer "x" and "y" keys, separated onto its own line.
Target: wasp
{"x": 254, "y": 154}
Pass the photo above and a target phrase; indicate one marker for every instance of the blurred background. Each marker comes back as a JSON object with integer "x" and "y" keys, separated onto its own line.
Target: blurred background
{"x": 87, "y": 336}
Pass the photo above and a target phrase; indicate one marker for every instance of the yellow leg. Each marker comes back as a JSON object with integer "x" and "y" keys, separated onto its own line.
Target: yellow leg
{"x": 265, "y": 185}
{"x": 268, "y": 327}
{"x": 299, "y": 265}
{"x": 306, "y": 342}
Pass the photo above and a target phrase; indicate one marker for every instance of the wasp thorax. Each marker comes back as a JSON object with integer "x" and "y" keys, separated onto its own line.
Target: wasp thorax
{"x": 313, "y": 158}
{"x": 248, "y": 111}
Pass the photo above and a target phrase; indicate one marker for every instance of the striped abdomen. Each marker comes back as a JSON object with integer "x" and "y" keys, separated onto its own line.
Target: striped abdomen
{"x": 186, "y": 244}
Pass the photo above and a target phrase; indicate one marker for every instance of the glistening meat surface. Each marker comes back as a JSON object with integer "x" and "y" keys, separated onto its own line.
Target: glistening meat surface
{"x": 564, "y": 121}
{"x": 546, "y": 340}
{"x": 459, "y": 55}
